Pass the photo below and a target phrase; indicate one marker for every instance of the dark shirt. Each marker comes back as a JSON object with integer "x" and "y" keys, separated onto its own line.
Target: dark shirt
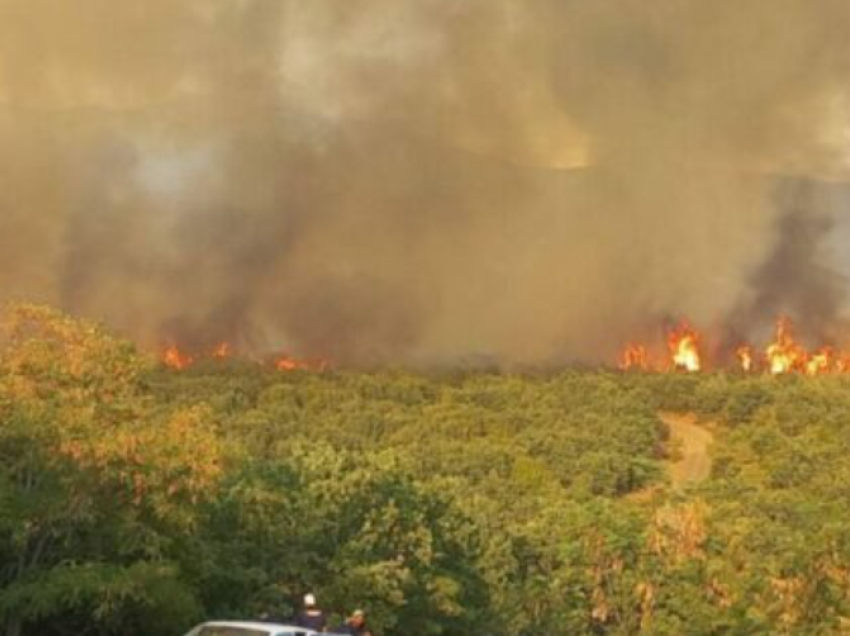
{"x": 312, "y": 619}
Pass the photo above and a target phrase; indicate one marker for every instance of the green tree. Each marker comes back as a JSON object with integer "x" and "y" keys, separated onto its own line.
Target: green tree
{"x": 94, "y": 485}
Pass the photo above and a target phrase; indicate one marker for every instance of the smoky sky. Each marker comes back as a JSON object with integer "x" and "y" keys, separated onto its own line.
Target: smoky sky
{"x": 424, "y": 181}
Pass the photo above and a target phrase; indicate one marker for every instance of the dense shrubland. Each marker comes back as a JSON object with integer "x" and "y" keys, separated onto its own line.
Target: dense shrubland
{"x": 136, "y": 500}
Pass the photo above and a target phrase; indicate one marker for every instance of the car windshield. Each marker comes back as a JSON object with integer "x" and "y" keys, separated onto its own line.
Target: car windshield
{"x": 211, "y": 630}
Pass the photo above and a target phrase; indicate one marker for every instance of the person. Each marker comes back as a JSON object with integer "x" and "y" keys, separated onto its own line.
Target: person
{"x": 355, "y": 625}
{"x": 311, "y": 617}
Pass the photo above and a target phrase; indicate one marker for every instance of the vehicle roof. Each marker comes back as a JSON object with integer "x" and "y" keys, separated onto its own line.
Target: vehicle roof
{"x": 256, "y": 625}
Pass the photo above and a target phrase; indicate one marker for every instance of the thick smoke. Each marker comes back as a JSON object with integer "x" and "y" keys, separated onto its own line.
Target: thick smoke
{"x": 797, "y": 280}
{"x": 419, "y": 181}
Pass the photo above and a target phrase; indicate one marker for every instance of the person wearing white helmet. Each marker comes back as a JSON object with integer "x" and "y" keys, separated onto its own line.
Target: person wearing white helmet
{"x": 311, "y": 616}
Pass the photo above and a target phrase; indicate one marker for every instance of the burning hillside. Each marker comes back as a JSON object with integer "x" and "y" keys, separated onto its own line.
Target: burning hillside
{"x": 684, "y": 348}
{"x": 782, "y": 356}
{"x": 174, "y": 358}
{"x": 355, "y": 181}
{"x": 179, "y": 359}
{"x": 684, "y": 351}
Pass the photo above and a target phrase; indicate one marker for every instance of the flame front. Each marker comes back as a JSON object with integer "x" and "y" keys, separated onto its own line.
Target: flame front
{"x": 176, "y": 359}
{"x": 634, "y": 356}
{"x": 684, "y": 349}
{"x": 745, "y": 358}
{"x": 222, "y": 351}
{"x": 784, "y": 355}
{"x": 820, "y": 362}
{"x": 288, "y": 363}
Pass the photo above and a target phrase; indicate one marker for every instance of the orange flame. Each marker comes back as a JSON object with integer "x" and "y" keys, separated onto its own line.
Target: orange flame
{"x": 745, "y": 358}
{"x": 634, "y": 356}
{"x": 222, "y": 351}
{"x": 684, "y": 349}
{"x": 842, "y": 363}
{"x": 176, "y": 359}
{"x": 288, "y": 363}
{"x": 784, "y": 355}
{"x": 820, "y": 362}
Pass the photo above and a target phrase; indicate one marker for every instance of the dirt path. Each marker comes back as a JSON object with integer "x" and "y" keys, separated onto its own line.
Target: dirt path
{"x": 691, "y": 462}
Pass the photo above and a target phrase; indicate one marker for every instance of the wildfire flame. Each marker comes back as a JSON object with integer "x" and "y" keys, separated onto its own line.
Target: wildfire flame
{"x": 222, "y": 351}
{"x": 176, "y": 359}
{"x": 842, "y": 363}
{"x": 784, "y": 355}
{"x": 288, "y": 363}
{"x": 634, "y": 356}
{"x": 684, "y": 349}
{"x": 745, "y": 358}
{"x": 820, "y": 362}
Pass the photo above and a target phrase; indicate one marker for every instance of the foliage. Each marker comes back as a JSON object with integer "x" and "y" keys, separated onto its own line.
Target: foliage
{"x": 135, "y": 500}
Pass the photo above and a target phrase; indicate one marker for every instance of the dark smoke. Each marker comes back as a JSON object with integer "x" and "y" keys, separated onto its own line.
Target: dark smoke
{"x": 423, "y": 181}
{"x": 796, "y": 281}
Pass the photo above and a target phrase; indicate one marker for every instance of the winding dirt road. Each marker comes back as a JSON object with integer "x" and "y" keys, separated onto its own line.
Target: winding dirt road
{"x": 692, "y": 460}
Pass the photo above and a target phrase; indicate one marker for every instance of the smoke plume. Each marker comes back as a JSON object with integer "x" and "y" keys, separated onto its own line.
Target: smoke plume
{"x": 421, "y": 181}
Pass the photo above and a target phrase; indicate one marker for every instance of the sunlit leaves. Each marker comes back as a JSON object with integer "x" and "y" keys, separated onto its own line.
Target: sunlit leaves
{"x": 92, "y": 475}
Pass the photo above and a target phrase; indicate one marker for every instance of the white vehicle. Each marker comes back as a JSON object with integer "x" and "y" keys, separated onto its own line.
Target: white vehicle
{"x": 226, "y": 628}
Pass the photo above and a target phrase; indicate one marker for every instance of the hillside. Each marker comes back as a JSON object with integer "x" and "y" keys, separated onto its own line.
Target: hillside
{"x": 135, "y": 500}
